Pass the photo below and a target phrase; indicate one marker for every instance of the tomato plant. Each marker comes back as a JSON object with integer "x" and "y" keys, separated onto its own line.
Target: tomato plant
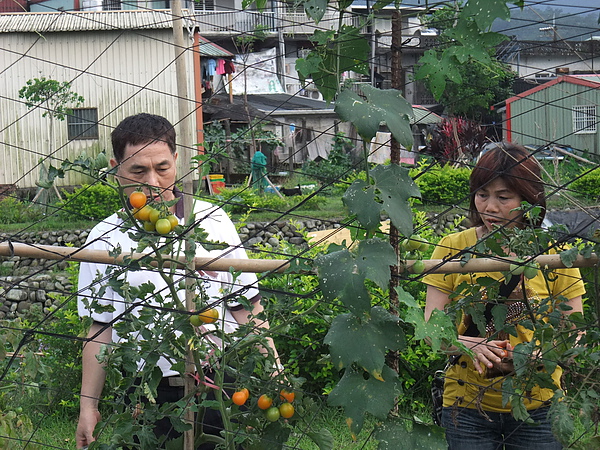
{"x": 154, "y": 215}
{"x": 209, "y": 316}
{"x": 418, "y": 267}
{"x": 137, "y": 199}
{"x": 239, "y": 397}
{"x": 264, "y": 402}
{"x": 143, "y": 213}
{"x": 195, "y": 320}
{"x": 163, "y": 226}
{"x": 286, "y": 410}
{"x": 173, "y": 220}
{"x": 287, "y": 396}
{"x": 272, "y": 414}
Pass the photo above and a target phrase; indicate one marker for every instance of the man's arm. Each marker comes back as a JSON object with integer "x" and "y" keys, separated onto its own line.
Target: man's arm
{"x": 92, "y": 383}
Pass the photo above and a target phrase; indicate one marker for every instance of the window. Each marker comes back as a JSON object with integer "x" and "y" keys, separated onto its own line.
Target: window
{"x": 82, "y": 123}
{"x": 111, "y": 5}
{"x": 584, "y": 119}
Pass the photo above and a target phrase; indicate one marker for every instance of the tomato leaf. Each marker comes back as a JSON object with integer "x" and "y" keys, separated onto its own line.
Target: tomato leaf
{"x": 569, "y": 256}
{"x": 364, "y": 341}
{"x": 393, "y": 434}
{"x": 358, "y": 396}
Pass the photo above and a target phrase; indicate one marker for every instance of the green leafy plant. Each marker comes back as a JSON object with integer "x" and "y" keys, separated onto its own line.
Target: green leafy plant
{"x": 54, "y": 96}
{"x": 443, "y": 185}
{"x": 13, "y": 210}
{"x": 96, "y": 201}
{"x": 587, "y": 186}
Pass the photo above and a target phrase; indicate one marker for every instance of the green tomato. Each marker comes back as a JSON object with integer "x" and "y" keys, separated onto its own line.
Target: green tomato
{"x": 418, "y": 267}
{"x": 163, "y": 226}
{"x": 195, "y": 320}
{"x": 414, "y": 242}
{"x": 424, "y": 246}
{"x": 530, "y": 272}
{"x": 517, "y": 269}
{"x": 272, "y": 414}
{"x": 154, "y": 215}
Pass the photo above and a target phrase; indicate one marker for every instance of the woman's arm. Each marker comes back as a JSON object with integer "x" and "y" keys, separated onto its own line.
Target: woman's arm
{"x": 486, "y": 353}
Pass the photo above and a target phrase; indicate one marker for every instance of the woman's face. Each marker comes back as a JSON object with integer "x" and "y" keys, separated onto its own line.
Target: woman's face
{"x": 495, "y": 204}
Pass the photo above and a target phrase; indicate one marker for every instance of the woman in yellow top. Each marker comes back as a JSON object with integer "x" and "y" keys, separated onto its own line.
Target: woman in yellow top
{"x": 473, "y": 412}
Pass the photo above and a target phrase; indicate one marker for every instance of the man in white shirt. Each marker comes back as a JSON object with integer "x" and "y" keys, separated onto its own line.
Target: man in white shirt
{"x": 145, "y": 154}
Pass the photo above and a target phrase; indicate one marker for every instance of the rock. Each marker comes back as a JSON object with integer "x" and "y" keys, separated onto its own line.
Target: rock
{"x": 23, "y": 306}
{"x": 255, "y": 240}
{"x": 273, "y": 242}
{"x": 297, "y": 240}
{"x": 16, "y": 295}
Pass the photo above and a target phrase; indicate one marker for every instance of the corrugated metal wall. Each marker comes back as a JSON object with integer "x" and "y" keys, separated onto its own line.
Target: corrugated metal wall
{"x": 546, "y": 116}
{"x": 119, "y": 72}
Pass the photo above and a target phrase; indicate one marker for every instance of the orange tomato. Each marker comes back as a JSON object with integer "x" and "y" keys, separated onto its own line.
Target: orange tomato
{"x": 137, "y": 199}
{"x": 287, "y": 396}
{"x": 264, "y": 402}
{"x": 239, "y": 398}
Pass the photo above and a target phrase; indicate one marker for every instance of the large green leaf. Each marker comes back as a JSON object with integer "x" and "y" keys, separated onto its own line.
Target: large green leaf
{"x": 358, "y": 395}
{"x": 391, "y": 191}
{"x": 380, "y": 106}
{"x": 484, "y": 12}
{"x": 438, "y": 329}
{"x": 396, "y": 187}
{"x": 315, "y": 9}
{"x": 334, "y": 53}
{"x": 364, "y": 340}
{"x": 393, "y": 435}
{"x": 374, "y": 258}
{"x": 323, "y": 438}
{"x": 339, "y": 278}
{"x": 359, "y": 198}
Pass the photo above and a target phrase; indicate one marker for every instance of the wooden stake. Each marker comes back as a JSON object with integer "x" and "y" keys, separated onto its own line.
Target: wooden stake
{"x": 475, "y": 265}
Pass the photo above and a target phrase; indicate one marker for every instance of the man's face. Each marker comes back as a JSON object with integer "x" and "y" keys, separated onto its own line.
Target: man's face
{"x": 150, "y": 164}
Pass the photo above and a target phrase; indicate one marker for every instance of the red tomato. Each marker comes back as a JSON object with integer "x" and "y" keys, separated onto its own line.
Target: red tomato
{"x": 137, "y": 199}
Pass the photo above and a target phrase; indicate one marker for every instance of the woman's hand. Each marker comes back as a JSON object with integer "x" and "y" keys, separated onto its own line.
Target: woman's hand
{"x": 487, "y": 354}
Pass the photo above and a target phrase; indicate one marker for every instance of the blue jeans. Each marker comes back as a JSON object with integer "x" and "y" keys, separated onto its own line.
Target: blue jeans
{"x": 467, "y": 429}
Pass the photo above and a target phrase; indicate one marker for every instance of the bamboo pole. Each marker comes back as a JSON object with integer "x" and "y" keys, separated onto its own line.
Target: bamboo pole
{"x": 474, "y": 265}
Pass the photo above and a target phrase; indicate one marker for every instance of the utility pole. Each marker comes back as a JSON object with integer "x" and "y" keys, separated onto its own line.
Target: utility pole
{"x": 185, "y": 135}
{"x": 397, "y": 83}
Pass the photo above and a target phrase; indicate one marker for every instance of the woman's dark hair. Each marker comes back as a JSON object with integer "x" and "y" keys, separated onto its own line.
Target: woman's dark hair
{"x": 142, "y": 129}
{"x": 518, "y": 169}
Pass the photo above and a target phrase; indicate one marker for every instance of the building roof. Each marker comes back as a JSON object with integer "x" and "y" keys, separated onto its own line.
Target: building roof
{"x": 423, "y": 116}
{"x": 66, "y": 21}
{"x": 48, "y": 22}
{"x": 590, "y": 81}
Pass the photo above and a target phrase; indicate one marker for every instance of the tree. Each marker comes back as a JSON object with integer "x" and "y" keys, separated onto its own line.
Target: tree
{"x": 476, "y": 85}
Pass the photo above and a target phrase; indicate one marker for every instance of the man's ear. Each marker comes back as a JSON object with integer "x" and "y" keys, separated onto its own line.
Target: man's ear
{"x": 113, "y": 163}
{"x": 175, "y": 156}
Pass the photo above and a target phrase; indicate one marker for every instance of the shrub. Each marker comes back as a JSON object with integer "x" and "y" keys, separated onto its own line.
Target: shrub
{"x": 15, "y": 211}
{"x": 588, "y": 186}
{"x": 95, "y": 202}
{"x": 242, "y": 200}
{"x": 443, "y": 185}
{"x": 338, "y": 163}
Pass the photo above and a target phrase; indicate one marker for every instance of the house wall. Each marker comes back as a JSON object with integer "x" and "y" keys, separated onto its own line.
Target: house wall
{"x": 121, "y": 73}
{"x": 546, "y": 116}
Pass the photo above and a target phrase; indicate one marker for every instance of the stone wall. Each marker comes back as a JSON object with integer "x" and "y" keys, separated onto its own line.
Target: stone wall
{"x": 26, "y": 281}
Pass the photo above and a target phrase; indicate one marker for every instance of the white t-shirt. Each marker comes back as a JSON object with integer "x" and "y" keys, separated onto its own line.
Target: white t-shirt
{"x": 107, "y": 235}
